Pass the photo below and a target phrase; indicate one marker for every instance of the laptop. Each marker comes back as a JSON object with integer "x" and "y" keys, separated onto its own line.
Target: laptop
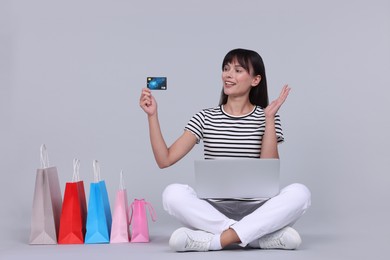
{"x": 237, "y": 178}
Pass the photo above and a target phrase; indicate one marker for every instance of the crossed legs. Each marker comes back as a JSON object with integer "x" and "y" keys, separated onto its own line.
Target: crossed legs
{"x": 278, "y": 212}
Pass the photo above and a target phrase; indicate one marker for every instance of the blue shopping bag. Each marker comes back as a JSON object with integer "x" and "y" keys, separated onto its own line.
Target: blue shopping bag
{"x": 99, "y": 218}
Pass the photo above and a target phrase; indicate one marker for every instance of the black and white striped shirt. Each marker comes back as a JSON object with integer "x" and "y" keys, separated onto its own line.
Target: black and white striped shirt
{"x": 227, "y": 136}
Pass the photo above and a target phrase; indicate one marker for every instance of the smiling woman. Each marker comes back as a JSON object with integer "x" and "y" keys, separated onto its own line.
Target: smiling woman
{"x": 244, "y": 125}
{"x": 237, "y": 83}
{"x": 250, "y": 62}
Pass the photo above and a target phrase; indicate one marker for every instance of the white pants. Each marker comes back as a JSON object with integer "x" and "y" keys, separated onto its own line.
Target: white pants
{"x": 181, "y": 201}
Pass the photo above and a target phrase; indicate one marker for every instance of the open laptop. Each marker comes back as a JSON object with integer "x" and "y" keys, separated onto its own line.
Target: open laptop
{"x": 237, "y": 178}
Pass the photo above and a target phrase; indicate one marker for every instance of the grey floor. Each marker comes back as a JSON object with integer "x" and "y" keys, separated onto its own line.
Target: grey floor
{"x": 317, "y": 243}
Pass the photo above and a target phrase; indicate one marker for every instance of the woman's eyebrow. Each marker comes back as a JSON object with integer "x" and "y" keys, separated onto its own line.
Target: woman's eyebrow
{"x": 233, "y": 65}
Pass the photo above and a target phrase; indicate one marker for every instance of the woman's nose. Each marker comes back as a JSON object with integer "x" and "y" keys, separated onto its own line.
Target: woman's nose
{"x": 228, "y": 73}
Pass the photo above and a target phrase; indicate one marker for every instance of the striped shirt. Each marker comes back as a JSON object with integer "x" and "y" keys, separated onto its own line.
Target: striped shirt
{"x": 227, "y": 136}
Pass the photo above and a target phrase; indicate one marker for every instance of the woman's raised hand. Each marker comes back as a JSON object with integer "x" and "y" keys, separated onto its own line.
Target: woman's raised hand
{"x": 147, "y": 102}
{"x": 273, "y": 107}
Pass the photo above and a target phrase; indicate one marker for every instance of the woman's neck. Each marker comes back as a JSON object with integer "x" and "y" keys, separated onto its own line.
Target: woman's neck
{"x": 238, "y": 108}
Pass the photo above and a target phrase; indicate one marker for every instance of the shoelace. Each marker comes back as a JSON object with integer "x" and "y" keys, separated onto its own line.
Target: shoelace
{"x": 273, "y": 242}
{"x": 199, "y": 243}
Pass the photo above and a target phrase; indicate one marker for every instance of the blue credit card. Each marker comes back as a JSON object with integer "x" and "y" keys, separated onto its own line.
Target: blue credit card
{"x": 156, "y": 83}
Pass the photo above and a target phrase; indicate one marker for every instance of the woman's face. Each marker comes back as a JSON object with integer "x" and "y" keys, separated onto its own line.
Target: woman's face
{"x": 237, "y": 81}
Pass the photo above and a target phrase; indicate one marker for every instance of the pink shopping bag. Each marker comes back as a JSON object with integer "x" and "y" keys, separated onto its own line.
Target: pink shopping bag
{"x": 120, "y": 232}
{"x": 139, "y": 221}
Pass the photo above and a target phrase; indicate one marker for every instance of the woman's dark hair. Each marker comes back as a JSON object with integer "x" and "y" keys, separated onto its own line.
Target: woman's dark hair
{"x": 249, "y": 60}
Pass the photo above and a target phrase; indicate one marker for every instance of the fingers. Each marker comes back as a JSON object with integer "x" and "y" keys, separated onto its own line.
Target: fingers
{"x": 146, "y": 93}
{"x": 285, "y": 90}
{"x": 147, "y": 102}
{"x": 274, "y": 106}
{"x": 146, "y": 97}
{"x": 283, "y": 94}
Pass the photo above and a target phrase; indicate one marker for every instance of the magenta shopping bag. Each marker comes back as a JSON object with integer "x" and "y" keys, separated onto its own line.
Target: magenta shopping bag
{"x": 120, "y": 232}
{"x": 139, "y": 221}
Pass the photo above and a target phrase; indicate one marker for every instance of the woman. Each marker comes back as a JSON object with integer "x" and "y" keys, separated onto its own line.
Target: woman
{"x": 243, "y": 125}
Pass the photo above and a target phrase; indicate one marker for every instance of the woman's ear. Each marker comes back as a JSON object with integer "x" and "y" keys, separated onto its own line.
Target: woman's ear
{"x": 256, "y": 80}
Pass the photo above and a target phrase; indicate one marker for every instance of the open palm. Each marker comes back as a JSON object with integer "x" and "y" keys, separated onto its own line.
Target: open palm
{"x": 273, "y": 107}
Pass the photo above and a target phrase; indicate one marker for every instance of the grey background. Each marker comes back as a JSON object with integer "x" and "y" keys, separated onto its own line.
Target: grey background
{"x": 71, "y": 73}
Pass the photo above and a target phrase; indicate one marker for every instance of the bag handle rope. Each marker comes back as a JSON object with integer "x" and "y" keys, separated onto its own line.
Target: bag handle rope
{"x": 121, "y": 182}
{"x": 76, "y": 170}
{"x": 96, "y": 171}
{"x": 44, "y": 157}
{"x": 152, "y": 212}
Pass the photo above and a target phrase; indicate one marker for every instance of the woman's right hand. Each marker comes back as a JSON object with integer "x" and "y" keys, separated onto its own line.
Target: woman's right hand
{"x": 147, "y": 102}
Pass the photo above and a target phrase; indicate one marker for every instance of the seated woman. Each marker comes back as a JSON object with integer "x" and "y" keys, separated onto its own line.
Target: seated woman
{"x": 244, "y": 125}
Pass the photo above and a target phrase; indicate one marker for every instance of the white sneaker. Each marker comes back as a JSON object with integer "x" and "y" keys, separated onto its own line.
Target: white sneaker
{"x": 185, "y": 239}
{"x": 285, "y": 238}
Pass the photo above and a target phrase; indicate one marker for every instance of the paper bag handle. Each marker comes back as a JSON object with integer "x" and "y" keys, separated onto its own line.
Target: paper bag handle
{"x": 44, "y": 157}
{"x": 149, "y": 206}
{"x": 151, "y": 211}
{"x": 121, "y": 182}
{"x": 76, "y": 170}
{"x": 96, "y": 171}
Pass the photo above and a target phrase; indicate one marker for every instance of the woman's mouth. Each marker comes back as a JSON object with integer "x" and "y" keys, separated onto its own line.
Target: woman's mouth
{"x": 229, "y": 83}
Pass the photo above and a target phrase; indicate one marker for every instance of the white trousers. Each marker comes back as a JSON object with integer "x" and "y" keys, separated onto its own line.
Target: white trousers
{"x": 285, "y": 209}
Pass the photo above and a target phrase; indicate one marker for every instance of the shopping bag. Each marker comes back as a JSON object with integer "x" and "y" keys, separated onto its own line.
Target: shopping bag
{"x": 120, "y": 232}
{"x": 139, "y": 221}
{"x": 99, "y": 213}
{"x": 74, "y": 210}
{"x": 47, "y": 203}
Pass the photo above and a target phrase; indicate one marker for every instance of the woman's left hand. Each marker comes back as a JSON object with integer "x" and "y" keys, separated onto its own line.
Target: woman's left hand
{"x": 271, "y": 110}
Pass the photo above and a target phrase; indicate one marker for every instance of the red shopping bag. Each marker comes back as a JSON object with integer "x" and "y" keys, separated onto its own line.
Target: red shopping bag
{"x": 74, "y": 210}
